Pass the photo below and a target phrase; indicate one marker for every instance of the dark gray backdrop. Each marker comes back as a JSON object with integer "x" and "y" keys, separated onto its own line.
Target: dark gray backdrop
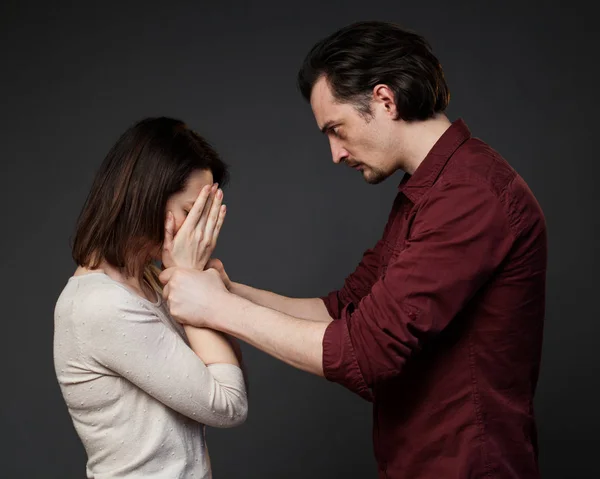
{"x": 73, "y": 78}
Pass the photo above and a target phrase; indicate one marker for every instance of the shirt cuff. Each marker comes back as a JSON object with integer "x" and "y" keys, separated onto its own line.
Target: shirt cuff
{"x": 333, "y": 305}
{"x": 339, "y": 360}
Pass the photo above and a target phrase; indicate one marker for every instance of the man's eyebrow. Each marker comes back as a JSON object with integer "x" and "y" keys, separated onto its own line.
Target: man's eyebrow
{"x": 327, "y": 126}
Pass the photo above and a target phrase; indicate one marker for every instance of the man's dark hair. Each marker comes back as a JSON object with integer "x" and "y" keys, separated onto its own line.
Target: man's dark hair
{"x": 360, "y": 56}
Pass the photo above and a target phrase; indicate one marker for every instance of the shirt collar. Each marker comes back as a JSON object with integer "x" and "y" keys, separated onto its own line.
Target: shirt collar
{"x": 414, "y": 186}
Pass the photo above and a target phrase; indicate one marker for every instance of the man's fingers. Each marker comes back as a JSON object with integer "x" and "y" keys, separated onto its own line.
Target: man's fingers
{"x": 166, "y": 292}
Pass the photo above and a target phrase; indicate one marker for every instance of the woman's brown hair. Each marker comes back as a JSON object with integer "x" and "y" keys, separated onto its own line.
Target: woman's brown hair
{"x": 123, "y": 217}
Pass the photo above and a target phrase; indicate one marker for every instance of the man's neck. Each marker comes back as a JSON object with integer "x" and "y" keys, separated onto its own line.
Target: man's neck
{"x": 419, "y": 138}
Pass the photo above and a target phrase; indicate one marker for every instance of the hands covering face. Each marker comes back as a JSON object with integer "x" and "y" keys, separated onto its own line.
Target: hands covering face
{"x": 194, "y": 243}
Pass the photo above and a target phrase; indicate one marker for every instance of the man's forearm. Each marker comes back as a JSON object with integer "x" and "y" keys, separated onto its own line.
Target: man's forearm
{"x": 304, "y": 308}
{"x": 296, "y": 341}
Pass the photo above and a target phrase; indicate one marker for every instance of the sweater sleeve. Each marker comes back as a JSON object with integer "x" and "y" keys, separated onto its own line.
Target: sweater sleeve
{"x": 126, "y": 337}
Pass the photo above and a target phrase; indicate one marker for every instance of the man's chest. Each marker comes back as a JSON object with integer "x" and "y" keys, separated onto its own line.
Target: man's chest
{"x": 397, "y": 232}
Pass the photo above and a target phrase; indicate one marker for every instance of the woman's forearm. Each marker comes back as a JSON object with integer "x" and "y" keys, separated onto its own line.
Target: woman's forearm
{"x": 211, "y": 346}
{"x": 235, "y": 344}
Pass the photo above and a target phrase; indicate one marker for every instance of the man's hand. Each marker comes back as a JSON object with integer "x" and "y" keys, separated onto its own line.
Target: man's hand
{"x": 193, "y": 295}
{"x": 218, "y": 265}
{"x": 195, "y": 241}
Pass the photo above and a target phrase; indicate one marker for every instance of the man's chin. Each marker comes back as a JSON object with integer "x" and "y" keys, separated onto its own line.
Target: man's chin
{"x": 374, "y": 178}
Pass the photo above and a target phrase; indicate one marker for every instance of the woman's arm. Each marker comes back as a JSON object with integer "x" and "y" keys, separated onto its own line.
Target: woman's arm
{"x": 215, "y": 347}
{"x": 126, "y": 337}
{"x": 184, "y": 249}
{"x": 211, "y": 346}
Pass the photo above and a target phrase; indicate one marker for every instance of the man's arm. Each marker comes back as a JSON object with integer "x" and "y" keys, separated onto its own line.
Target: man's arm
{"x": 359, "y": 283}
{"x": 200, "y": 299}
{"x": 305, "y": 308}
{"x": 356, "y": 286}
{"x": 296, "y": 341}
{"x": 459, "y": 237}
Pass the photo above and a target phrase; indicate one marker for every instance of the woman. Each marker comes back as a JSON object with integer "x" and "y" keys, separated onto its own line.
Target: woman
{"x": 139, "y": 386}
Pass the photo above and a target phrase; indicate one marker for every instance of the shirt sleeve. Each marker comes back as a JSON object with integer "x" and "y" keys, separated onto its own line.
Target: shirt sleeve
{"x": 357, "y": 285}
{"x": 459, "y": 236}
{"x": 129, "y": 339}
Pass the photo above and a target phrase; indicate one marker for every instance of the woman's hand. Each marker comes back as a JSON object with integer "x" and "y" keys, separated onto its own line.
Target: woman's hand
{"x": 195, "y": 241}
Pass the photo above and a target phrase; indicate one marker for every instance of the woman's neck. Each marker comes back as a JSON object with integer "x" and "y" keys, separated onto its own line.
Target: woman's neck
{"x": 134, "y": 282}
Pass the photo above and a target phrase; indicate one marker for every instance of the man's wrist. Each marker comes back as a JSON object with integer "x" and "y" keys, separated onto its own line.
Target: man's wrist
{"x": 227, "y": 311}
{"x": 220, "y": 307}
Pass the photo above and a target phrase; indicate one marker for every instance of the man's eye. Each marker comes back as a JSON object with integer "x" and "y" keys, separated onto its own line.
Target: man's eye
{"x": 337, "y": 133}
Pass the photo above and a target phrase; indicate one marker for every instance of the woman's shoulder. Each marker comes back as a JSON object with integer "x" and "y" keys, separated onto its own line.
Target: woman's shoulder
{"x": 96, "y": 296}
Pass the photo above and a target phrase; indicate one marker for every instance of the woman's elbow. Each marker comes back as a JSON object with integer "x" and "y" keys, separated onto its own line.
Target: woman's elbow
{"x": 235, "y": 413}
{"x": 241, "y": 412}
{"x": 229, "y": 398}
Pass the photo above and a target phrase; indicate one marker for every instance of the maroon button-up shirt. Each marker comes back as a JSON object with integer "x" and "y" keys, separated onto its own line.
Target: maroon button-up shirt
{"x": 440, "y": 325}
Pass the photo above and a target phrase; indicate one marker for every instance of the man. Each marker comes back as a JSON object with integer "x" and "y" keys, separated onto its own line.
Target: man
{"x": 440, "y": 325}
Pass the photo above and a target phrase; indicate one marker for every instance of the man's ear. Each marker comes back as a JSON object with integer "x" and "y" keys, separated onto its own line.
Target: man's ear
{"x": 385, "y": 98}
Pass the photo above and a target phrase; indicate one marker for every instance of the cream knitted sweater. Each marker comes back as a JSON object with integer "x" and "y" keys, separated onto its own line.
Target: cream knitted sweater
{"x": 138, "y": 395}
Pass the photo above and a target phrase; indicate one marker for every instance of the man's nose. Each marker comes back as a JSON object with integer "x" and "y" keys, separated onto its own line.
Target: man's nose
{"x": 338, "y": 152}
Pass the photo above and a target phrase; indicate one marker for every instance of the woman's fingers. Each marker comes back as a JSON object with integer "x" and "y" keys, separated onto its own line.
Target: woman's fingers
{"x": 196, "y": 212}
{"x": 220, "y": 220}
{"x": 195, "y": 241}
{"x": 169, "y": 231}
{"x": 206, "y": 228}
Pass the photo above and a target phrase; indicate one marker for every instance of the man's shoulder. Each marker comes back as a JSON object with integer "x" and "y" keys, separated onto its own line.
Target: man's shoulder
{"x": 476, "y": 161}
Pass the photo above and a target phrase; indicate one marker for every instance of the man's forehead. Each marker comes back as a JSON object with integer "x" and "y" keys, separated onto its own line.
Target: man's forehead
{"x": 321, "y": 89}
{"x": 323, "y": 103}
